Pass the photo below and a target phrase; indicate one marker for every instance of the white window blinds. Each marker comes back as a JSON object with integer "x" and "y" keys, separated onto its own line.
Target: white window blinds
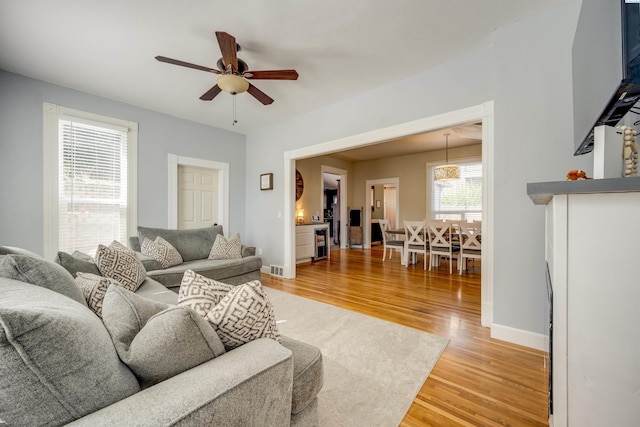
{"x": 459, "y": 199}
{"x": 92, "y": 183}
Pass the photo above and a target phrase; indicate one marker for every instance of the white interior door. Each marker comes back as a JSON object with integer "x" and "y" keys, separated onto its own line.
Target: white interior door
{"x": 197, "y": 197}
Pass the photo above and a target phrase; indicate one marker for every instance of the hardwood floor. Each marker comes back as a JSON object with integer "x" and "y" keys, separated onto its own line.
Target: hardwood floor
{"x": 478, "y": 381}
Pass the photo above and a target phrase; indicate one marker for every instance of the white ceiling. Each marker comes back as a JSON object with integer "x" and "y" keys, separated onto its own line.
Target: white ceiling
{"x": 339, "y": 48}
{"x": 418, "y": 143}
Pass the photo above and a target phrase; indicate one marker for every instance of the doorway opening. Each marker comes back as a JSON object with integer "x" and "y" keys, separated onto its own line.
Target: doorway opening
{"x": 331, "y": 207}
{"x": 480, "y": 113}
{"x": 334, "y": 202}
{"x": 384, "y": 199}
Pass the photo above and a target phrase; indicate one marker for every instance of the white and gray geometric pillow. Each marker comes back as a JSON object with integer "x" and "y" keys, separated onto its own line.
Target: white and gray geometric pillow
{"x": 122, "y": 264}
{"x": 226, "y": 249}
{"x": 244, "y": 314}
{"x": 94, "y": 289}
{"x": 162, "y": 251}
{"x": 201, "y": 293}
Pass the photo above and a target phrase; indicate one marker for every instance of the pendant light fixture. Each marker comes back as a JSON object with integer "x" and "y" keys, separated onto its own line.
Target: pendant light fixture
{"x": 446, "y": 172}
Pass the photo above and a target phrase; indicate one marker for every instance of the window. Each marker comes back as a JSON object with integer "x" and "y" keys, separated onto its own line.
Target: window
{"x": 460, "y": 199}
{"x": 90, "y": 194}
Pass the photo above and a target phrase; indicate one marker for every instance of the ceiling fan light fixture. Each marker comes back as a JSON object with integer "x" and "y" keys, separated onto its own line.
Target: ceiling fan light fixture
{"x": 232, "y": 84}
{"x": 446, "y": 172}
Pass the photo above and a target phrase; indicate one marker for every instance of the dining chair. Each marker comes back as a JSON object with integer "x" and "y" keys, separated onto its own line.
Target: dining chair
{"x": 441, "y": 242}
{"x": 470, "y": 243}
{"x": 389, "y": 242}
{"x": 415, "y": 241}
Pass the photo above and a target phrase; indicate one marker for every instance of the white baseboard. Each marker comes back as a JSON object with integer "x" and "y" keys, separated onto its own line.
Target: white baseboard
{"x": 520, "y": 337}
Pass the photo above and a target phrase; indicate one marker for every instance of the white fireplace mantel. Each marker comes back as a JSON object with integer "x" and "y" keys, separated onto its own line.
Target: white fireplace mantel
{"x": 593, "y": 254}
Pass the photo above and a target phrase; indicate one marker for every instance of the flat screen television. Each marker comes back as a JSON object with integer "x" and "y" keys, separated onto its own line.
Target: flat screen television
{"x": 606, "y": 66}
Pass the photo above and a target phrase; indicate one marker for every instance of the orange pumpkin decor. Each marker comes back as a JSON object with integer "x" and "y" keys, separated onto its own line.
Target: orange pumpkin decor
{"x": 576, "y": 174}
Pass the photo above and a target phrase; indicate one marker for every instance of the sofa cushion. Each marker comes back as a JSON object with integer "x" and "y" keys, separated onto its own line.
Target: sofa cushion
{"x": 58, "y": 361}
{"x": 192, "y": 244}
{"x": 156, "y": 291}
{"x": 162, "y": 251}
{"x": 224, "y": 248}
{"x": 243, "y": 315}
{"x": 94, "y": 288}
{"x": 200, "y": 293}
{"x": 308, "y": 373}
{"x": 77, "y": 262}
{"x": 122, "y": 264}
{"x": 155, "y": 340}
{"x": 41, "y": 272}
{"x": 221, "y": 270}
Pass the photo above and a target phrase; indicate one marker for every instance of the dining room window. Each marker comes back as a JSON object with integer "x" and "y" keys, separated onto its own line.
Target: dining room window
{"x": 459, "y": 199}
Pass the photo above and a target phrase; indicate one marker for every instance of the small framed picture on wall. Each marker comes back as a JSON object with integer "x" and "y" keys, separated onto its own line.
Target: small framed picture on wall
{"x": 266, "y": 181}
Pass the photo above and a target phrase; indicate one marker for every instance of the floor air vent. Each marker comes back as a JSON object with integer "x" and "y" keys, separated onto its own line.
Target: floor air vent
{"x": 277, "y": 270}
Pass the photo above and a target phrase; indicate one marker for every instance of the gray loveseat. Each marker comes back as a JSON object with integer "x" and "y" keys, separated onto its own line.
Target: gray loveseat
{"x": 58, "y": 364}
{"x": 194, "y": 247}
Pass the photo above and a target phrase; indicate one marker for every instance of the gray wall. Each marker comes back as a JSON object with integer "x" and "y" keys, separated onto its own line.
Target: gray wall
{"x": 533, "y": 142}
{"x": 527, "y": 72}
{"x": 21, "y": 180}
{"x": 459, "y": 84}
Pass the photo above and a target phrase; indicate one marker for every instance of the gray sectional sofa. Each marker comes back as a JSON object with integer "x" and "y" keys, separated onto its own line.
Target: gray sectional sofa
{"x": 194, "y": 247}
{"x": 58, "y": 363}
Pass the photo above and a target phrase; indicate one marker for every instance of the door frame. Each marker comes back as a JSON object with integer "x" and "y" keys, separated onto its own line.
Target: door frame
{"x": 366, "y": 232}
{"x": 222, "y": 168}
{"x": 483, "y": 112}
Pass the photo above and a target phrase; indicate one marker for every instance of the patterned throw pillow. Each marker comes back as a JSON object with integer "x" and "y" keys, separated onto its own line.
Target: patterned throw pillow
{"x": 243, "y": 315}
{"x": 226, "y": 249}
{"x": 201, "y": 293}
{"x": 162, "y": 251}
{"x": 122, "y": 264}
{"x": 94, "y": 289}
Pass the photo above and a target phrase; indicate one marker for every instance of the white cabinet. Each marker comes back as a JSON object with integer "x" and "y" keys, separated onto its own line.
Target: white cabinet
{"x": 593, "y": 252}
{"x": 306, "y": 241}
{"x": 305, "y": 248}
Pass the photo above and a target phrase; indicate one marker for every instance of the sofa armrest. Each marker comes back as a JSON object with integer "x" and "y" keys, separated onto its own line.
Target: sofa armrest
{"x": 134, "y": 244}
{"x": 248, "y": 251}
{"x": 149, "y": 263}
{"x": 249, "y": 386}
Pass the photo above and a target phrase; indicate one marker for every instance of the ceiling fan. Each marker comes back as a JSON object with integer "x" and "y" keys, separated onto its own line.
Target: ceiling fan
{"x": 234, "y": 73}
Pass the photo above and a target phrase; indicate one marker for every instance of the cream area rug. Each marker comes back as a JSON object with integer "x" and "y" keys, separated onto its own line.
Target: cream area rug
{"x": 373, "y": 369}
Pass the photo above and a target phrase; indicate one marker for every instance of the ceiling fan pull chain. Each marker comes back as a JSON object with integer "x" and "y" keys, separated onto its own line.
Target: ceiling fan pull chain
{"x": 234, "y": 110}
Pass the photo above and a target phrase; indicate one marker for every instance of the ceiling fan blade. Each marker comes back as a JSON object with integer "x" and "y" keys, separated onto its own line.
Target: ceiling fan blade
{"x": 187, "y": 64}
{"x": 259, "y": 95}
{"x": 228, "y": 48}
{"x": 211, "y": 93}
{"x": 271, "y": 74}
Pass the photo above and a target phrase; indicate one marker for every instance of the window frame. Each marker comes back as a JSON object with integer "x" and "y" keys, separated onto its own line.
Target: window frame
{"x": 52, "y": 114}
{"x": 431, "y": 213}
